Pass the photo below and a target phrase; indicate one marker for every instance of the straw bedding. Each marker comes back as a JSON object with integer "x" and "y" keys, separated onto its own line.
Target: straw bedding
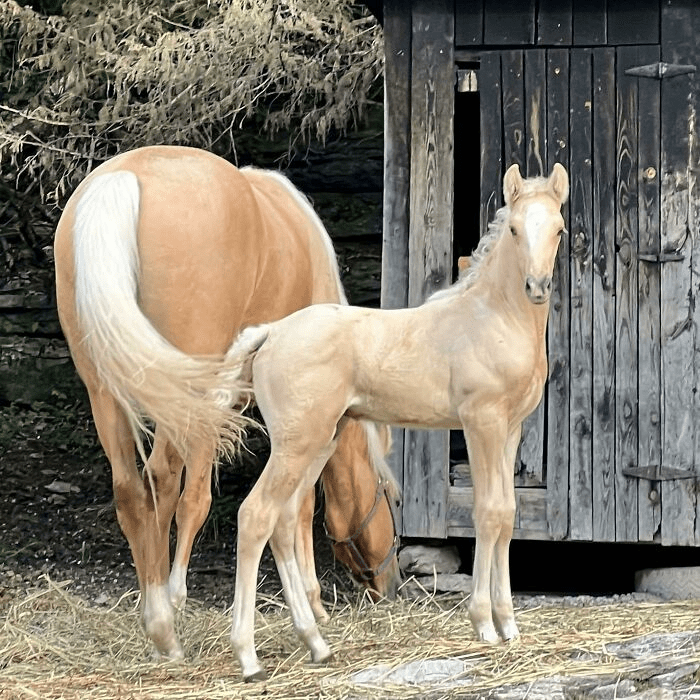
{"x": 53, "y": 644}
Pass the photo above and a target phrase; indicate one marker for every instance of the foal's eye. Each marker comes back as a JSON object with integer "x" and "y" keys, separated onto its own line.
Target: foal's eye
{"x": 513, "y": 231}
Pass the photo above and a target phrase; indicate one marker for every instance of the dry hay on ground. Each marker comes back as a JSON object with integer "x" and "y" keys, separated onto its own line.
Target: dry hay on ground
{"x": 55, "y": 645}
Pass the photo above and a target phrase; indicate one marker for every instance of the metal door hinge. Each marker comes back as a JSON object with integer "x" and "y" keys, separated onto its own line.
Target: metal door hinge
{"x": 658, "y": 472}
{"x": 660, "y": 70}
{"x": 661, "y": 257}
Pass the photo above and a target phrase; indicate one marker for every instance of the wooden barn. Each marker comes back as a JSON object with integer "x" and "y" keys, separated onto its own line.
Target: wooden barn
{"x": 609, "y": 88}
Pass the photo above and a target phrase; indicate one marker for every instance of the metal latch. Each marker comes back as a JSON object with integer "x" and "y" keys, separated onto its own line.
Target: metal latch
{"x": 658, "y": 472}
{"x": 660, "y": 70}
{"x": 661, "y": 257}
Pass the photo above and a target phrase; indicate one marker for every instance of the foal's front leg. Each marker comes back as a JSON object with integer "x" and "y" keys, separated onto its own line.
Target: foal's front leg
{"x": 485, "y": 431}
{"x": 501, "y": 596}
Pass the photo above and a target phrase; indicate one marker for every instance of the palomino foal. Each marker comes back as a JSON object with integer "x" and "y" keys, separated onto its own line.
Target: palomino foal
{"x": 473, "y": 356}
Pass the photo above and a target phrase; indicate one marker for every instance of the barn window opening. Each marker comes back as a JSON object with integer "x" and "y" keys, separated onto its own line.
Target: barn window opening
{"x": 467, "y": 186}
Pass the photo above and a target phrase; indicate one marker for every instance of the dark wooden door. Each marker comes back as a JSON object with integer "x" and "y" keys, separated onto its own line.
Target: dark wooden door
{"x": 615, "y": 433}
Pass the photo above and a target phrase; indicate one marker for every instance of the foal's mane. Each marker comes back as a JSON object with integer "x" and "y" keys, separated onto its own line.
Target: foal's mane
{"x": 486, "y": 243}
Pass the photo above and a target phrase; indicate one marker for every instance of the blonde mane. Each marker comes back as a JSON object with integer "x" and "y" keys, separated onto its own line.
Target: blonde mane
{"x": 486, "y": 243}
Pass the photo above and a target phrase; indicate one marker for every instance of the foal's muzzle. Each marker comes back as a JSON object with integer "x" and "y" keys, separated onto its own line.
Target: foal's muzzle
{"x": 538, "y": 289}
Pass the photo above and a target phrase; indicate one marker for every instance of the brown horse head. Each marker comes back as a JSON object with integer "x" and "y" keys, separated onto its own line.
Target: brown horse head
{"x": 359, "y": 518}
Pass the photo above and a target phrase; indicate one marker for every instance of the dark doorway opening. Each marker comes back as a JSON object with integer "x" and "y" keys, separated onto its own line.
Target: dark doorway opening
{"x": 467, "y": 186}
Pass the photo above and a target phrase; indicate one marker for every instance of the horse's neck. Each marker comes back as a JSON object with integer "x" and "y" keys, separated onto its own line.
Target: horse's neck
{"x": 503, "y": 281}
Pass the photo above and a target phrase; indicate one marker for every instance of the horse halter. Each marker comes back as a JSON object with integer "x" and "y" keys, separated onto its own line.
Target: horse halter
{"x": 366, "y": 573}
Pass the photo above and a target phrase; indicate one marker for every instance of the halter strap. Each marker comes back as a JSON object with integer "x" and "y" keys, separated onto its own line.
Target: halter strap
{"x": 367, "y": 573}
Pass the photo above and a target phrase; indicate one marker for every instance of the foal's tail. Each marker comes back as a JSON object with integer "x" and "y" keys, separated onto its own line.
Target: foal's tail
{"x": 189, "y": 397}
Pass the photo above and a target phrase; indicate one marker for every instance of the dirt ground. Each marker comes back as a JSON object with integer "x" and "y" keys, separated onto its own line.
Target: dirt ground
{"x": 57, "y": 516}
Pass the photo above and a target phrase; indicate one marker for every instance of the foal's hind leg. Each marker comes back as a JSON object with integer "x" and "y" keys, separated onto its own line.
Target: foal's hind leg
{"x": 258, "y": 517}
{"x": 304, "y": 548}
{"x": 295, "y": 593}
{"x": 192, "y": 511}
{"x": 137, "y": 517}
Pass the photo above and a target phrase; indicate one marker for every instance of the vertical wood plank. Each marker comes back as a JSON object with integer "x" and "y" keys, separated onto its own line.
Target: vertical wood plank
{"x": 426, "y": 468}
{"x": 536, "y": 90}
{"x": 554, "y": 22}
{"x": 534, "y": 125}
{"x": 469, "y": 23}
{"x": 633, "y": 22}
{"x": 491, "y": 138}
{"x": 513, "y": 95}
{"x": 558, "y": 387}
{"x": 589, "y": 22}
{"x": 603, "y": 440}
{"x": 509, "y": 22}
{"x": 581, "y": 234}
{"x": 691, "y": 53}
{"x": 397, "y": 124}
{"x": 649, "y": 134}
{"x": 626, "y": 284}
{"x": 678, "y": 332}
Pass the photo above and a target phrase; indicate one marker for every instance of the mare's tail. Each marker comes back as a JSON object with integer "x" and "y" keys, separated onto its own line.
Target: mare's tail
{"x": 189, "y": 397}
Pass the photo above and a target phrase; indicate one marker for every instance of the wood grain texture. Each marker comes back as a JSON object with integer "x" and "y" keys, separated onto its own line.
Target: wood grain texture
{"x": 633, "y": 22}
{"x": 513, "y": 105}
{"x": 626, "y": 296}
{"x": 491, "y": 127}
{"x": 558, "y": 386}
{"x": 649, "y": 292}
{"x": 397, "y": 121}
{"x": 581, "y": 271}
{"x": 589, "y": 22}
{"x": 534, "y": 130}
{"x": 678, "y": 332}
{"x": 509, "y": 22}
{"x": 426, "y": 453}
{"x": 603, "y": 438}
{"x": 554, "y": 22}
{"x": 469, "y": 23}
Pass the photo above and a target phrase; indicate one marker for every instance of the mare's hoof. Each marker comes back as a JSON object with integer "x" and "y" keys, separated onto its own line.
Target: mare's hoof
{"x": 256, "y": 677}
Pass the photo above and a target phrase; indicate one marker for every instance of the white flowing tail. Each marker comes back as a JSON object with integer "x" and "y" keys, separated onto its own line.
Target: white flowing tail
{"x": 189, "y": 397}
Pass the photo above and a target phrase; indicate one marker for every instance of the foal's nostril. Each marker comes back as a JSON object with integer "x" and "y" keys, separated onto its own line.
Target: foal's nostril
{"x": 538, "y": 289}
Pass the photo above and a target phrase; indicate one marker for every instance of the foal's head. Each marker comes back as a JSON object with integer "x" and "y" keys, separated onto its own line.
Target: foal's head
{"x": 536, "y": 225}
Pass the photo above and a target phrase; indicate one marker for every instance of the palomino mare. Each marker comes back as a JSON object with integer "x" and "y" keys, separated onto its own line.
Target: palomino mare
{"x": 162, "y": 255}
{"x": 472, "y": 356}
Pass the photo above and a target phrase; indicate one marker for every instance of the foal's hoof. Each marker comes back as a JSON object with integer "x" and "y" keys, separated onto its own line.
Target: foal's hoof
{"x": 256, "y": 677}
{"x": 323, "y": 660}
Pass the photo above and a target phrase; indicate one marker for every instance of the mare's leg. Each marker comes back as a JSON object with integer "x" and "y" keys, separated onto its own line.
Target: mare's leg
{"x": 163, "y": 485}
{"x": 501, "y": 596}
{"x": 258, "y": 517}
{"x": 137, "y": 518}
{"x": 192, "y": 510}
{"x": 304, "y": 548}
{"x": 485, "y": 432}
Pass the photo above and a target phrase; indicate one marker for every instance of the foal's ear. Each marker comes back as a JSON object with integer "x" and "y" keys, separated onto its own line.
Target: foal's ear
{"x": 512, "y": 184}
{"x": 559, "y": 182}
